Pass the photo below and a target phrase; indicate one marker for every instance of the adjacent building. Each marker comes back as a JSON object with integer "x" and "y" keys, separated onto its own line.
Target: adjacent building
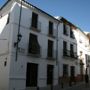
{"x": 38, "y": 50}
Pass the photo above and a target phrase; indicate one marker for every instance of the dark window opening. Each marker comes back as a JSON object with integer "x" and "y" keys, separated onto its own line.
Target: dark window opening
{"x": 8, "y": 19}
{"x": 72, "y": 71}
{"x": 71, "y": 33}
{"x": 50, "y": 28}
{"x": 31, "y": 74}
{"x": 5, "y": 63}
{"x": 71, "y": 50}
{"x": 64, "y": 48}
{"x": 50, "y": 74}
{"x": 50, "y": 48}
{"x": 65, "y": 70}
{"x": 34, "y": 20}
{"x": 34, "y": 47}
{"x": 65, "y": 30}
{"x": 72, "y": 74}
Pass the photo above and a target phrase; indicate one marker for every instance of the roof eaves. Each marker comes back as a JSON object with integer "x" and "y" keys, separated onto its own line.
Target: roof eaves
{"x": 41, "y": 10}
{"x": 63, "y": 19}
{"x": 5, "y": 4}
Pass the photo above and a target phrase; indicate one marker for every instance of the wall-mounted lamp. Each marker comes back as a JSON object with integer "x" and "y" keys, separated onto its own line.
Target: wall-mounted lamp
{"x": 19, "y": 39}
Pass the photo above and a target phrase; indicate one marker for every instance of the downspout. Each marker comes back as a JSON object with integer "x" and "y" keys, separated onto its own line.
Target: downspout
{"x": 18, "y": 32}
{"x": 57, "y": 61}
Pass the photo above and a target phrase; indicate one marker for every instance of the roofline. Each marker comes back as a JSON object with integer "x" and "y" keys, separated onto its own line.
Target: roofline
{"x": 62, "y": 18}
{"x": 45, "y": 13}
{"x": 41, "y": 10}
{"x": 5, "y": 4}
{"x": 32, "y": 6}
{"x": 74, "y": 26}
{"x": 82, "y": 31}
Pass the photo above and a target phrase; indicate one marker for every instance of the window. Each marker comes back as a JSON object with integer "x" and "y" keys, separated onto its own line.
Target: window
{"x": 65, "y": 45}
{"x": 65, "y": 30}
{"x": 34, "y": 20}
{"x": 8, "y": 19}
{"x": 65, "y": 70}
{"x": 72, "y": 71}
{"x": 50, "y": 74}
{"x": 64, "y": 48}
{"x": 71, "y": 33}
{"x": 31, "y": 74}
{"x": 50, "y": 48}
{"x": 5, "y": 63}
{"x": 50, "y": 28}
{"x": 34, "y": 47}
{"x": 71, "y": 50}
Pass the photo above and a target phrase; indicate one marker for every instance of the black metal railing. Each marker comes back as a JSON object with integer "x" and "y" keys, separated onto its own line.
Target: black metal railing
{"x": 36, "y": 27}
{"x": 69, "y": 53}
{"x": 53, "y": 33}
{"x": 51, "y": 55}
{"x": 35, "y": 52}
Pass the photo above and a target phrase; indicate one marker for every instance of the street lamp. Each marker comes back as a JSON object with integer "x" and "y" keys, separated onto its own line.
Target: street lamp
{"x": 19, "y": 36}
{"x": 19, "y": 39}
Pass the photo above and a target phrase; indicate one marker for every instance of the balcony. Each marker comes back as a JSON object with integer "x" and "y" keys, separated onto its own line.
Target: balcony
{"x": 35, "y": 52}
{"x": 68, "y": 53}
{"x": 52, "y": 33}
{"x": 51, "y": 55}
{"x": 72, "y": 36}
{"x": 37, "y": 27}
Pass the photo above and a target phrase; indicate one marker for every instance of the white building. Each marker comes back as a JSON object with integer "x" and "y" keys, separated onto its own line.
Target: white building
{"x": 33, "y": 64}
{"x": 74, "y": 54}
{"x": 67, "y": 50}
{"x": 31, "y": 47}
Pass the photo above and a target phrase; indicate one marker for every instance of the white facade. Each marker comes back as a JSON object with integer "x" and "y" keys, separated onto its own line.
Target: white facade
{"x": 13, "y": 72}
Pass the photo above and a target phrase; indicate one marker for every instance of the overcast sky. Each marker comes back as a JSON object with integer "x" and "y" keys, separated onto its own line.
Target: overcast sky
{"x": 76, "y": 11}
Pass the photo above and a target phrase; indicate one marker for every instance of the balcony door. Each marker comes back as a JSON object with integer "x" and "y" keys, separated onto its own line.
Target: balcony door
{"x": 72, "y": 71}
{"x": 34, "y": 20}
{"x": 50, "y": 48}
{"x": 34, "y": 47}
{"x": 49, "y": 74}
{"x": 31, "y": 75}
{"x": 50, "y": 28}
{"x": 64, "y": 48}
{"x": 71, "y": 50}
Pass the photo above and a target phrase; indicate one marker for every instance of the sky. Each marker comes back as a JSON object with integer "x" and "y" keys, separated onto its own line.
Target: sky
{"x": 75, "y": 11}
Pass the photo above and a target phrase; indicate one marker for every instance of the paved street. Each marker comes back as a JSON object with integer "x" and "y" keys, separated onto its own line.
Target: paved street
{"x": 78, "y": 87}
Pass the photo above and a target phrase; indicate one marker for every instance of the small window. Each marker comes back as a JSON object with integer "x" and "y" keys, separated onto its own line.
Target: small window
{"x": 71, "y": 33}
{"x": 65, "y": 70}
{"x": 8, "y": 19}
{"x": 65, "y": 30}
{"x": 64, "y": 48}
{"x": 50, "y": 48}
{"x": 64, "y": 45}
{"x": 5, "y": 63}
{"x": 50, "y": 74}
{"x": 50, "y": 28}
{"x": 34, "y": 20}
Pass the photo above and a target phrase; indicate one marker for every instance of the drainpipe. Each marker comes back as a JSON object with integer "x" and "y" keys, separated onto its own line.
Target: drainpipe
{"x": 18, "y": 35}
{"x": 57, "y": 61}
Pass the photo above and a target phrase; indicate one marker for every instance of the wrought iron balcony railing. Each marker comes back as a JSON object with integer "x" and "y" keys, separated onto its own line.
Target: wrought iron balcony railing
{"x": 69, "y": 53}
{"x": 36, "y": 52}
{"x": 53, "y": 33}
{"x": 51, "y": 55}
{"x": 36, "y": 27}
